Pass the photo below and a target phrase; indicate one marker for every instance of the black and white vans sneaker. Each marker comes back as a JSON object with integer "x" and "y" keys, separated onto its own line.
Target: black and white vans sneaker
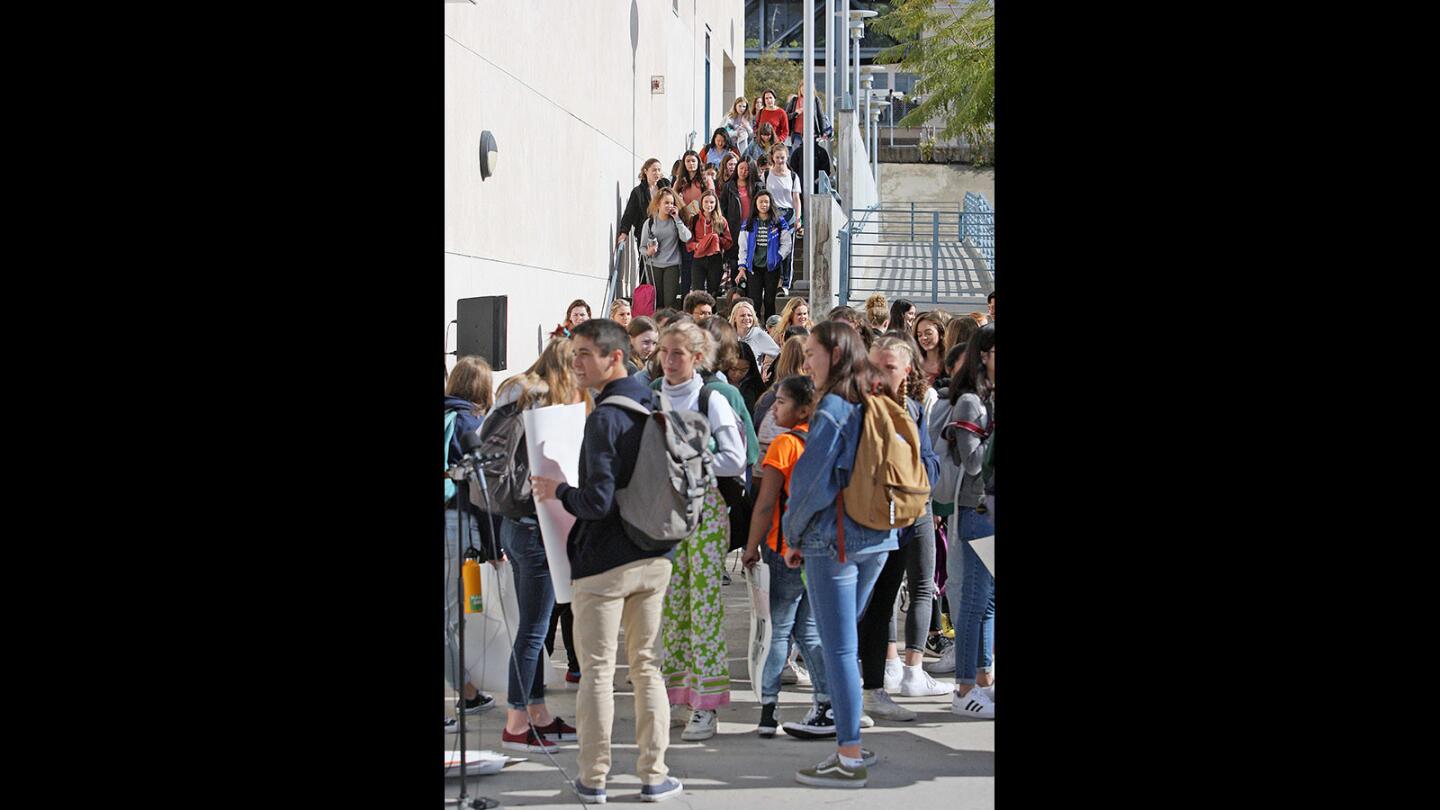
{"x": 819, "y": 724}
{"x": 833, "y": 773}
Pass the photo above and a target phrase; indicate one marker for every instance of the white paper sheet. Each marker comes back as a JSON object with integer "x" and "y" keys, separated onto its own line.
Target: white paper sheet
{"x": 985, "y": 550}
{"x": 552, "y": 440}
{"x": 760, "y": 631}
{"x": 477, "y": 763}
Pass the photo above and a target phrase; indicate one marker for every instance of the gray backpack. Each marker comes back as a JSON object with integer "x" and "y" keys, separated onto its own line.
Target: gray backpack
{"x": 660, "y": 507}
{"x": 944, "y": 490}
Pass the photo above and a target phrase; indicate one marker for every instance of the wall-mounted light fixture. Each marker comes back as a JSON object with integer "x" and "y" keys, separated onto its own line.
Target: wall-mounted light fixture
{"x": 489, "y": 154}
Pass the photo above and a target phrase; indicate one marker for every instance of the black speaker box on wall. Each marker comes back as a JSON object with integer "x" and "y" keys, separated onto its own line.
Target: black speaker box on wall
{"x": 481, "y": 329}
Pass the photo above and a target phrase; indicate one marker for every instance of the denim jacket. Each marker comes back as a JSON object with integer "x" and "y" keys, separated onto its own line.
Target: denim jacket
{"x": 820, "y": 474}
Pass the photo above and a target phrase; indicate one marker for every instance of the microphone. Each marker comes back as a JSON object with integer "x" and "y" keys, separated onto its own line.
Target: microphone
{"x": 470, "y": 445}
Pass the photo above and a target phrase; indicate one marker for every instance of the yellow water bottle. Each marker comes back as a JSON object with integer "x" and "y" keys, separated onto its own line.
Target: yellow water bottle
{"x": 470, "y": 572}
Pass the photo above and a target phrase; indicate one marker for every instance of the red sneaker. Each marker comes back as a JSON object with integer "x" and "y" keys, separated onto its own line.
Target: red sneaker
{"x": 527, "y": 740}
{"x": 557, "y": 730}
{"x": 572, "y": 677}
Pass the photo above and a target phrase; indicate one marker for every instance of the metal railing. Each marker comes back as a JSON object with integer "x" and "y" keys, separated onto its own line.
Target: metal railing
{"x": 943, "y": 253}
{"x": 979, "y": 226}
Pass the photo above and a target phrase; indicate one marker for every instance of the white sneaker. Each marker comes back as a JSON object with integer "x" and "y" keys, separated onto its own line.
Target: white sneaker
{"x": 866, "y": 721}
{"x": 945, "y": 665}
{"x": 702, "y": 725}
{"x": 802, "y": 675}
{"x": 893, "y": 672}
{"x": 879, "y": 703}
{"x": 974, "y": 704}
{"x": 916, "y": 682}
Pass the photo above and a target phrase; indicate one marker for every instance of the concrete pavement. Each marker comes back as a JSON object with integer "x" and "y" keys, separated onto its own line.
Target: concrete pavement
{"x": 935, "y": 761}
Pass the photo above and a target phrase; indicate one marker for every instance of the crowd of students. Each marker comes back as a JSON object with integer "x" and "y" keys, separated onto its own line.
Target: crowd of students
{"x": 783, "y": 399}
{"x": 725, "y": 217}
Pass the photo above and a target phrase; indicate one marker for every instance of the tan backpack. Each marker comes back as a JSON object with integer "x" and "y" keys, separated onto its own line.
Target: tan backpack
{"x": 888, "y": 485}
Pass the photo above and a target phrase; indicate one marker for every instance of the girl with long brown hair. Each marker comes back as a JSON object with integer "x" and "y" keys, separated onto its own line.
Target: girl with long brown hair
{"x": 840, "y": 573}
{"x": 662, "y": 238}
{"x": 957, "y": 333}
{"x": 973, "y": 389}
{"x": 718, "y": 149}
{"x": 737, "y": 202}
{"x": 766, "y": 240}
{"x": 929, "y": 332}
{"x": 763, "y": 143}
{"x": 711, "y": 239}
{"x": 644, "y": 336}
{"x": 740, "y": 124}
{"x": 689, "y": 185}
{"x": 638, "y": 205}
{"x": 550, "y": 380}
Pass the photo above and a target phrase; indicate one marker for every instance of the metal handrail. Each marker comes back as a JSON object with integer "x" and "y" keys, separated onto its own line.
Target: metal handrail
{"x": 908, "y": 248}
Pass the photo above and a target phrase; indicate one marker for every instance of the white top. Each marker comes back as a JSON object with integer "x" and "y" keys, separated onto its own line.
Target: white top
{"x": 781, "y": 189}
{"x": 724, "y": 426}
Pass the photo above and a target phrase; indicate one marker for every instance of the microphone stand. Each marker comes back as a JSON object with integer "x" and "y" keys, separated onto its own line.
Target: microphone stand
{"x": 461, "y": 473}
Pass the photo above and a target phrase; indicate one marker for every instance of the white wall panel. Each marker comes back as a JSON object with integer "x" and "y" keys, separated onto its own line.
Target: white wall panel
{"x": 573, "y": 118}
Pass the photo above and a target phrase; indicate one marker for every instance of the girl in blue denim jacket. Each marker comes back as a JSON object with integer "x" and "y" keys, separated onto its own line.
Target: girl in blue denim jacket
{"x": 839, "y": 589}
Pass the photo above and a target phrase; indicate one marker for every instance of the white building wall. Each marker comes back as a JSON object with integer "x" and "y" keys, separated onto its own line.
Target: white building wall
{"x": 553, "y": 81}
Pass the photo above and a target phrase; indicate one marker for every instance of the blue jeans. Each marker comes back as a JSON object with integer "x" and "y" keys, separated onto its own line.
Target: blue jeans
{"x": 974, "y": 606}
{"x": 790, "y": 609}
{"x": 534, "y": 596}
{"x": 838, "y": 594}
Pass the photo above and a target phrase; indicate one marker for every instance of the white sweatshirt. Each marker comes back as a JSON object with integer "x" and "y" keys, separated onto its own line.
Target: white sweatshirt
{"x": 724, "y": 426}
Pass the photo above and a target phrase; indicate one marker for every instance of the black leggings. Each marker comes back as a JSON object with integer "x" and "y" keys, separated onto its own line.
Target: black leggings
{"x": 763, "y": 283}
{"x": 874, "y": 626}
{"x": 706, "y": 274}
{"x": 562, "y": 614}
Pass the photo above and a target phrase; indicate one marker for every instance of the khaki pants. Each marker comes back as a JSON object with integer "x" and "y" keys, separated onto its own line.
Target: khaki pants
{"x": 632, "y": 594}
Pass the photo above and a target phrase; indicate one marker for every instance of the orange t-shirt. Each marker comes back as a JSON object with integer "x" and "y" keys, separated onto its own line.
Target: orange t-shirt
{"x": 782, "y": 455}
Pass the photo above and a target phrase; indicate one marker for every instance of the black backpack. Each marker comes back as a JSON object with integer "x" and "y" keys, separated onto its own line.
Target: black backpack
{"x": 508, "y": 476}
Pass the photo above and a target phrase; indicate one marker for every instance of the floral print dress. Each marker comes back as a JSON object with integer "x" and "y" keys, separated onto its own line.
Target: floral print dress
{"x": 692, "y": 633}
